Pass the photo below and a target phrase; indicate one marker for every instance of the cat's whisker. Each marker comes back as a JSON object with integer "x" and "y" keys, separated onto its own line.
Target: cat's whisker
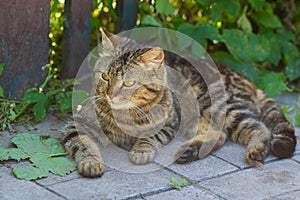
{"x": 140, "y": 112}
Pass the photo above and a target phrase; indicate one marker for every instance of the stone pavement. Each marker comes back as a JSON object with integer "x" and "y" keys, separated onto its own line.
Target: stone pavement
{"x": 223, "y": 175}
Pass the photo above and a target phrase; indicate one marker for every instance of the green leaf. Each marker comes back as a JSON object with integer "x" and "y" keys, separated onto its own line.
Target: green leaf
{"x": 57, "y": 165}
{"x": 267, "y": 19}
{"x": 172, "y": 179}
{"x": 293, "y": 70}
{"x": 284, "y": 34}
{"x": 274, "y": 83}
{"x": 3, "y": 154}
{"x": 290, "y": 52}
{"x": 247, "y": 48}
{"x": 41, "y": 101}
{"x": 199, "y": 33}
{"x": 183, "y": 181}
{"x": 236, "y": 42}
{"x": 189, "y": 30}
{"x": 275, "y": 46}
{"x": 32, "y": 96}
{"x": 257, "y": 5}
{"x": 31, "y": 144}
{"x": 43, "y": 152}
{"x": 39, "y": 112}
{"x": 208, "y": 31}
{"x": 281, "y": 42}
{"x": 30, "y": 172}
{"x": 149, "y": 20}
{"x": 228, "y": 10}
{"x": 244, "y": 23}
{"x": 64, "y": 101}
{"x": 1, "y": 92}
{"x": 1, "y": 67}
{"x": 12, "y": 153}
{"x": 164, "y": 7}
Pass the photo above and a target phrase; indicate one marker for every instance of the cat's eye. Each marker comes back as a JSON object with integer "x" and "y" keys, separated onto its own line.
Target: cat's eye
{"x": 128, "y": 83}
{"x": 105, "y": 77}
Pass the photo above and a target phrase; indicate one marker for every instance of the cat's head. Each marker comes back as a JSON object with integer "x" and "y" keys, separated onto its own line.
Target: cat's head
{"x": 129, "y": 75}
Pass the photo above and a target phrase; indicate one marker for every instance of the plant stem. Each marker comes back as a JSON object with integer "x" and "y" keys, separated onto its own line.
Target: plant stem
{"x": 59, "y": 154}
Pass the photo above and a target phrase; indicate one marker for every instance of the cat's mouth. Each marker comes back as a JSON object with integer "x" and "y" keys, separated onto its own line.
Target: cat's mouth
{"x": 117, "y": 104}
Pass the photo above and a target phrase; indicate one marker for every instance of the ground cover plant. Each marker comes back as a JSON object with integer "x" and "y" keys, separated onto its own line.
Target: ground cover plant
{"x": 44, "y": 153}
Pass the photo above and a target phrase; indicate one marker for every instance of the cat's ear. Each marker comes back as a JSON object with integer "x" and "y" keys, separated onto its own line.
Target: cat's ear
{"x": 109, "y": 40}
{"x": 153, "y": 57}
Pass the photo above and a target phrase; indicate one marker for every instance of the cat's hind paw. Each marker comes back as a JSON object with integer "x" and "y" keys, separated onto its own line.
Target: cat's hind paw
{"x": 256, "y": 154}
{"x": 188, "y": 152}
{"x": 91, "y": 167}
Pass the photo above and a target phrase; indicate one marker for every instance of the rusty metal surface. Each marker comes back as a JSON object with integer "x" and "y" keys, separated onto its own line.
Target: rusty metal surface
{"x": 24, "y": 44}
{"x": 76, "y": 38}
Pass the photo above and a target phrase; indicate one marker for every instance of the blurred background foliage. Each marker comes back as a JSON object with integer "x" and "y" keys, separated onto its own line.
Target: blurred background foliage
{"x": 258, "y": 38}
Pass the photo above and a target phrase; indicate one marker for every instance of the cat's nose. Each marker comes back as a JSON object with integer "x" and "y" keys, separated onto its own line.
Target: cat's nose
{"x": 110, "y": 93}
{"x": 110, "y": 96}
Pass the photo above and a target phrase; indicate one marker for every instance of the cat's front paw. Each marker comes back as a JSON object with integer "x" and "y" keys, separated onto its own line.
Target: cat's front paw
{"x": 143, "y": 155}
{"x": 91, "y": 167}
{"x": 256, "y": 154}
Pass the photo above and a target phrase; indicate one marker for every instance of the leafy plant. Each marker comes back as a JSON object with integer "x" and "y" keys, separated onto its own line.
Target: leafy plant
{"x": 178, "y": 184}
{"x": 44, "y": 153}
{"x": 294, "y": 111}
{"x": 256, "y": 38}
{"x": 37, "y": 101}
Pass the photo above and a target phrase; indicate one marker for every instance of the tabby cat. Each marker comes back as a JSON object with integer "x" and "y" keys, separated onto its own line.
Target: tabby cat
{"x": 126, "y": 95}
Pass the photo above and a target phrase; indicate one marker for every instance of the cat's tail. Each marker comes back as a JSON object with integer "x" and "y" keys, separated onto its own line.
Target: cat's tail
{"x": 283, "y": 142}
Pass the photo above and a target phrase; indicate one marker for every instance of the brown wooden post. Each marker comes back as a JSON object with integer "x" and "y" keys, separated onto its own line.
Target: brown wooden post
{"x": 24, "y": 44}
{"x": 76, "y": 38}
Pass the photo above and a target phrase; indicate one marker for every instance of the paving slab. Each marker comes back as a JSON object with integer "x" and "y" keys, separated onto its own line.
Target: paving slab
{"x": 5, "y": 138}
{"x": 115, "y": 185}
{"x": 293, "y": 195}
{"x": 190, "y": 193}
{"x": 297, "y": 158}
{"x": 51, "y": 125}
{"x": 203, "y": 169}
{"x": 12, "y": 188}
{"x": 54, "y": 179}
{"x": 272, "y": 179}
{"x": 287, "y": 98}
{"x": 117, "y": 158}
{"x": 234, "y": 154}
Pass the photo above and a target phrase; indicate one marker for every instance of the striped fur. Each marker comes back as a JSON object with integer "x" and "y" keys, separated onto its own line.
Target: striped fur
{"x": 145, "y": 116}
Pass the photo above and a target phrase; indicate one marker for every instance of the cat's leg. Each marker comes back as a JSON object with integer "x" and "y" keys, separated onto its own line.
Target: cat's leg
{"x": 84, "y": 151}
{"x": 246, "y": 128}
{"x": 144, "y": 149}
{"x": 209, "y": 139}
{"x": 283, "y": 141}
